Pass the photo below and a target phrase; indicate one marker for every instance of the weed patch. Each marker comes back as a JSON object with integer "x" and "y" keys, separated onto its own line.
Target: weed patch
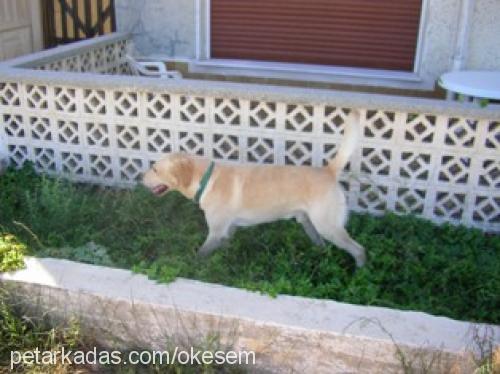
{"x": 23, "y": 333}
{"x": 11, "y": 253}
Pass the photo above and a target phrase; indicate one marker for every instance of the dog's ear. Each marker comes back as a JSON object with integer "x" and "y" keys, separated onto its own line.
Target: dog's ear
{"x": 183, "y": 171}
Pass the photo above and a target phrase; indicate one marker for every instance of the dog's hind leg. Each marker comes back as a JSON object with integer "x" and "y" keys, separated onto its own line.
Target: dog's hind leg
{"x": 328, "y": 216}
{"x": 328, "y": 224}
{"x": 311, "y": 232}
{"x": 341, "y": 239}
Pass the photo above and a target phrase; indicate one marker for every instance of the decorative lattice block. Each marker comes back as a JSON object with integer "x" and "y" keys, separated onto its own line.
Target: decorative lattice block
{"x": 334, "y": 120}
{"x": 72, "y": 64}
{"x": 86, "y": 63}
{"x": 260, "y": 150}
{"x": 454, "y": 169}
{"x": 101, "y": 166}
{"x": 158, "y": 106}
{"x": 99, "y": 58}
{"x": 225, "y": 147}
{"x": 126, "y": 104}
{"x": 18, "y": 154}
{"x": 159, "y": 140}
{"x": 489, "y": 175}
{"x": 124, "y": 69}
{"x": 227, "y": 112}
{"x": 36, "y": 97}
{"x": 298, "y": 153}
{"x": 449, "y": 205}
{"x": 14, "y": 126}
{"x": 56, "y": 65}
{"x": 127, "y": 137}
{"x": 40, "y": 128}
{"x": 379, "y": 125}
{"x": 460, "y": 132}
{"x": 373, "y": 197}
{"x": 376, "y": 161}
{"x": 9, "y": 94}
{"x": 94, "y": 102}
{"x": 110, "y": 53}
{"x": 299, "y": 118}
{"x": 97, "y": 134}
{"x": 72, "y": 163}
{"x": 410, "y": 200}
{"x": 44, "y": 159}
{"x": 262, "y": 114}
{"x": 487, "y": 209}
{"x": 420, "y": 128}
{"x": 68, "y": 132}
{"x": 493, "y": 136}
{"x": 130, "y": 169}
{"x": 415, "y": 166}
{"x": 65, "y": 99}
{"x": 192, "y": 142}
{"x": 122, "y": 49}
{"x": 193, "y": 109}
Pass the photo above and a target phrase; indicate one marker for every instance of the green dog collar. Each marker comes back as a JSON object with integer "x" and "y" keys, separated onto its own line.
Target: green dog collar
{"x": 203, "y": 182}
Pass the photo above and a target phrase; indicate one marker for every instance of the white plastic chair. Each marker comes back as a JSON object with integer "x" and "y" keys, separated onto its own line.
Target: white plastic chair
{"x": 151, "y": 69}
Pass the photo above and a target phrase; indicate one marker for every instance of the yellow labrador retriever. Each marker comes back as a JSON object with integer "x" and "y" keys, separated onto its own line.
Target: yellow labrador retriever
{"x": 243, "y": 195}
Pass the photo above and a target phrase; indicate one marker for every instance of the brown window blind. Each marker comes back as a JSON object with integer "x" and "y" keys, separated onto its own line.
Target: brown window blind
{"x": 356, "y": 33}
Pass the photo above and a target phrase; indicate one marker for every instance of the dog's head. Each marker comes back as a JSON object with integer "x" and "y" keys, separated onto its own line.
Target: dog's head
{"x": 173, "y": 172}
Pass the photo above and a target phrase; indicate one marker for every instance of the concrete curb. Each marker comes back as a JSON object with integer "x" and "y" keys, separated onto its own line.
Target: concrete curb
{"x": 291, "y": 333}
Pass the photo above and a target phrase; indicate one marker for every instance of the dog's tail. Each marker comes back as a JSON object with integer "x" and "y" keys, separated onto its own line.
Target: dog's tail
{"x": 352, "y": 130}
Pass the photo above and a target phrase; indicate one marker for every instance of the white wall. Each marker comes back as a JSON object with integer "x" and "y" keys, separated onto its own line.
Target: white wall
{"x": 163, "y": 27}
{"x": 439, "y": 37}
{"x": 484, "y": 42}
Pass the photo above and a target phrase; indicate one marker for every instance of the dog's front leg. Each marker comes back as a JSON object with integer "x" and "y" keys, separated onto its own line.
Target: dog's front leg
{"x": 311, "y": 232}
{"x": 211, "y": 243}
{"x": 217, "y": 232}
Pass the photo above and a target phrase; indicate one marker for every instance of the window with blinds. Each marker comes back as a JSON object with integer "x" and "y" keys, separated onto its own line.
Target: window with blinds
{"x": 380, "y": 34}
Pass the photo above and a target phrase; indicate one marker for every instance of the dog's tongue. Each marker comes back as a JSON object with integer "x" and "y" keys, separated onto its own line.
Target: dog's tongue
{"x": 158, "y": 190}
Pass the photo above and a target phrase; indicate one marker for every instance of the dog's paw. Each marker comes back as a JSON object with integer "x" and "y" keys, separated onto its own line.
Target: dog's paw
{"x": 320, "y": 242}
{"x": 201, "y": 253}
{"x": 360, "y": 260}
{"x": 204, "y": 252}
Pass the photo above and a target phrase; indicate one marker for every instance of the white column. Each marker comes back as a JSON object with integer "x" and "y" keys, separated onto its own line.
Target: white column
{"x": 463, "y": 32}
{"x": 197, "y": 25}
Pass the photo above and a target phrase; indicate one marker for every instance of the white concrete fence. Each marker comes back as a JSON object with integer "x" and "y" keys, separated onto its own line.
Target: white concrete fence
{"x": 432, "y": 158}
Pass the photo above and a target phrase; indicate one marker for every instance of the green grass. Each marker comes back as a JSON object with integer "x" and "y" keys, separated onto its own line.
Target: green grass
{"x": 412, "y": 263}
